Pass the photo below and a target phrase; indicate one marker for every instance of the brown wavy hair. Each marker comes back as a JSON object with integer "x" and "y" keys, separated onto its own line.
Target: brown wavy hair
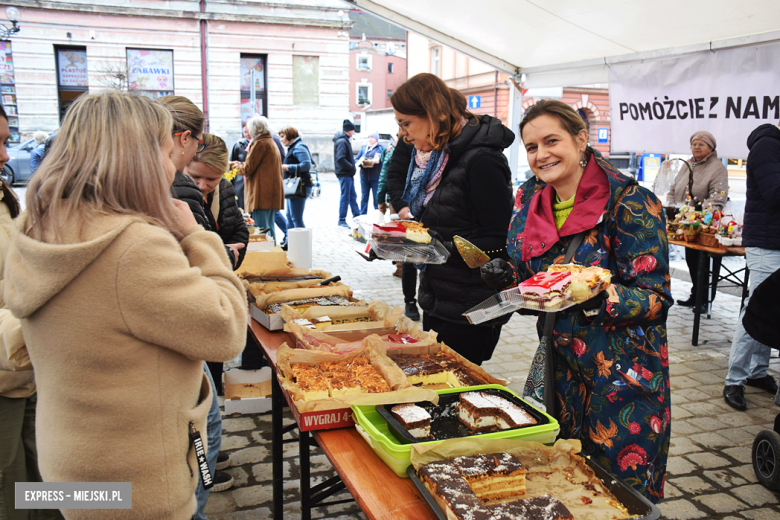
{"x": 426, "y": 95}
{"x": 570, "y": 120}
{"x": 106, "y": 160}
{"x": 215, "y": 155}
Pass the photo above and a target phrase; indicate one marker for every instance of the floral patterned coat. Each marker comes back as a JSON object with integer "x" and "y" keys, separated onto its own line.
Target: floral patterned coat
{"x": 611, "y": 371}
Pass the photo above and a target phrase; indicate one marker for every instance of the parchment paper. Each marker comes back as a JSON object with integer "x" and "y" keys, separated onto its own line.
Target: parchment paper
{"x": 402, "y": 392}
{"x": 547, "y": 468}
{"x": 289, "y": 295}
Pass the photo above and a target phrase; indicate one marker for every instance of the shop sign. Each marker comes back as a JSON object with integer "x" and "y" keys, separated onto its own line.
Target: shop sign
{"x": 249, "y": 64}
{"x": 72, "y": 65}
{"x": 150, "y": 69}
{"x": 6, "y": 64}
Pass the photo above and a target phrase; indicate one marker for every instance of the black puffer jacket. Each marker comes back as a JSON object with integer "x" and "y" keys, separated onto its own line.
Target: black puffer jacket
{"x": 397, "y": 173}
{"x": 239, "y": 151}
{"x": 473, "y": 200}
{"x": 229, "y": 223}
{"x": 762, "y": 208}
{"x": 343, "y": 160}
{"x": 762, "y": 310}
{"x": 184, "y": 188}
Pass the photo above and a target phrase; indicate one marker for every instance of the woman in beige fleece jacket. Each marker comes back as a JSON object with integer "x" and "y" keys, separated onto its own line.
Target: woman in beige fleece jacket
{"x": 121, "y": 298}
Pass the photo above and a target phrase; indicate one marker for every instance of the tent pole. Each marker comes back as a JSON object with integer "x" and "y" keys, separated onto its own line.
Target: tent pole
{"x": 514, "y": 115}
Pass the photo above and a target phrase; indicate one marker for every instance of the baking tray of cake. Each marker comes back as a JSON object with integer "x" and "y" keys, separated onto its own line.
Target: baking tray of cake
{"x": 444, "y": 416}
{"x": 639, "y": 508}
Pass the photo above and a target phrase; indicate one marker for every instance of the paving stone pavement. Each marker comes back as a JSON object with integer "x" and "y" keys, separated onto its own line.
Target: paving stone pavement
{"x": 710, "y": 474}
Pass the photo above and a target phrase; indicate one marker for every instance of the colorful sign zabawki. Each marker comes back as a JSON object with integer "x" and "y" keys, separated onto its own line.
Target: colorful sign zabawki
{"x": 6, "y": 64}
{"x": 150, "y": 69}
{"x": 72, "y": 68}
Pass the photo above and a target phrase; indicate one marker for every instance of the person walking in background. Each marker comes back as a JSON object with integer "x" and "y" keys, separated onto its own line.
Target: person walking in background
{"x": 36, "y": 155}
{"x": 749, "y": 359}
{"x": 381, "y": 196}
{"x": 238, "y": 154}
{"x": 127, "y": 254}
{"x": 297, "y": 163}
{"x": 369, "y": 160}
{"x": 344, "y": 167}
{"x": 262, "y": 170}
{"x": 707, "y": 186}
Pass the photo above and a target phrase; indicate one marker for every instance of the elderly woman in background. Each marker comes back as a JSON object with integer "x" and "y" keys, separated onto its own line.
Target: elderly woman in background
{"x": 262, "y": 171}
{"x": 707, "y": 186}
{"x": 369, "y": 160}
{"x": 297, "y": 163}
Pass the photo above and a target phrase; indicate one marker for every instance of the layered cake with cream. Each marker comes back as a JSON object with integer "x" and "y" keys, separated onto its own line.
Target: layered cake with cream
{"x": 481, "y": 411}
{"x": 492, "y": 476}
{"x": 545, "y": 507}
{"x": 303, "y": 304}
{"x": 585, "y": 280}
{"x": 436, "y": 369}
{"x": 338, "y": 379}
{"x": 546, "y": 290}
{"x": 401, "y": 232}
{"x": 414, "y": 419}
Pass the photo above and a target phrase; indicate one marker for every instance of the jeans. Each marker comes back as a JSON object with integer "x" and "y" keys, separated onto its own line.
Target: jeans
{"x": 749, "y": 359}
{"x": 264, "y": 218}
{"x": 295, "y": 207}
{"x": 281, "y": 222}
{"x": 239, "y": 187}
{"x": 348, "y": 198}
{"x": 214, "y": 432}
{"x": 368, "y": 182}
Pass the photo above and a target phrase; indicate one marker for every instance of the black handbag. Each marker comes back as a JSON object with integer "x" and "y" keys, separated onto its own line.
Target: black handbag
{"x": 294, "y": 188}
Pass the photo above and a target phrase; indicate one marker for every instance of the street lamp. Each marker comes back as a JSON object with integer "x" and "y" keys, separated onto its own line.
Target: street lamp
{"x": 13, "y": 15}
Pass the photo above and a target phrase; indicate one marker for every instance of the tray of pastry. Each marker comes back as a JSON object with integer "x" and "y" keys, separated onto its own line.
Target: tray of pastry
{"x": 406, "y": 241}
{"x": 519, "y": 506}
{"x": 560, "y": 287}
{"x": 464, "y": 413}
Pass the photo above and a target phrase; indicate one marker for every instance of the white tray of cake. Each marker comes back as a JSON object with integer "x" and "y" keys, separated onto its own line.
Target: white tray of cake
{"x": 560, "y": 287}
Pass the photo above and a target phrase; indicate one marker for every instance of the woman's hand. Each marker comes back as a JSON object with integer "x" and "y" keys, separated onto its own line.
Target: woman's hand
{"x": 285, "y": 167}
{"x": 405, "y": 213}
{"x": 184, "y": 217}
{"x": 383, "y": 208}
{"x": 235, "y": 248}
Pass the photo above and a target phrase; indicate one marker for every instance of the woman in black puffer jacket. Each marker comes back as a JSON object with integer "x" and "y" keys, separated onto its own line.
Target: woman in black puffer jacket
{"x": 459, "y": 183}
{"x": 222, "y": 210}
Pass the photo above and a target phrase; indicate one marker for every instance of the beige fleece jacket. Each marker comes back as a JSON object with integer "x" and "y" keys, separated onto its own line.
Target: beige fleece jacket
{"x": 118, "y": 319}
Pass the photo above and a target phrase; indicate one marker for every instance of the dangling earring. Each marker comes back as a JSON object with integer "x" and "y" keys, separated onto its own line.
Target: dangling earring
{"x": 182, "y": 153}
{"x": 583, "y": 161}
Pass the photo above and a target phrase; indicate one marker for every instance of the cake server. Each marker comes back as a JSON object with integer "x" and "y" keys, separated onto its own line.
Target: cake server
{"x": 473, "y": 256}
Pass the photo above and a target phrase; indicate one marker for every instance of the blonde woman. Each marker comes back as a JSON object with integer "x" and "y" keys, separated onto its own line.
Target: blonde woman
{"x": 140, "y": 297}
{"x": 262, "y": 171}
{"x": 206, "y": 169}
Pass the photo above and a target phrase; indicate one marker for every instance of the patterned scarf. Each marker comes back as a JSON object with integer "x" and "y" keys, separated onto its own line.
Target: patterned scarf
{"x": 423, "y": 178}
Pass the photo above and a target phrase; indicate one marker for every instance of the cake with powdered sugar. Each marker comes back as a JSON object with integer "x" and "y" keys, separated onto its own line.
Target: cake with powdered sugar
{"x": 414, "y": 419}
{"x": 481, "y": 411}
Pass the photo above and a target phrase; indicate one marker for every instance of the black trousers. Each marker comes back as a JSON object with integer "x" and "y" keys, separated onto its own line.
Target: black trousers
{"x": 692, "y": 259}
{"x": 473, "y": 342}
{"x": 409, "y": 282}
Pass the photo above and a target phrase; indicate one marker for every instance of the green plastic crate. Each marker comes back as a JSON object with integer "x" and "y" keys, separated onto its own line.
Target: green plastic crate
{"x": 373, "y": 428}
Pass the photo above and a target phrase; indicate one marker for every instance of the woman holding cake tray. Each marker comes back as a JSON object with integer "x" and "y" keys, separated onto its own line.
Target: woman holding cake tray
{"x": 458, "y": 183}
{"x": 609, "y": 354}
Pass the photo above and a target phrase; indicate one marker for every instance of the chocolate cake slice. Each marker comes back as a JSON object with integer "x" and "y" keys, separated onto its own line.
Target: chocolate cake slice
{"x": 481, "y": 411}
{"x": 547, "y": 507}
{"x": 414, "y": 419}
{"x": 493, "y": 476}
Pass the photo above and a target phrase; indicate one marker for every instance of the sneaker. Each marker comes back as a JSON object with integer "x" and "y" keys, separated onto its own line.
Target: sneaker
{"x": 735, "y": 396}
{"x": 223, "y": 460}
{"x": 766, "y": 383}
{"x": 343, "y": 224}
{"x": 222, "y": 481}
{"x": 411, "y": 311}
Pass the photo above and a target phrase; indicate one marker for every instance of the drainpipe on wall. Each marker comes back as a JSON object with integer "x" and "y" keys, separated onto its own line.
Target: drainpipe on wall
{"x": 204, "y": 66}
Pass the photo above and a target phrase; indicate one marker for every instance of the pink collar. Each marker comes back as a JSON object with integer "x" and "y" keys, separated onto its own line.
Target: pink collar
{"x": 540, "y": 233}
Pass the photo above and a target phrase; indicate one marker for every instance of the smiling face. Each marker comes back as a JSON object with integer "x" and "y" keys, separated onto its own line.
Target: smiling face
{"x": 553, "y": 153}
{"x": 167, "y": 149}
{"x": 415, "y": 130}
{"x": 204, "y": 176}
{"x": 700, "y": 149}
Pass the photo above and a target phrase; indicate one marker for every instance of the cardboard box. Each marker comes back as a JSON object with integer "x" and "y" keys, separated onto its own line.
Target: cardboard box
{"x": 248, "y": 391}
{"x": 269, "y": 321}
{"x": 320, "y": 420}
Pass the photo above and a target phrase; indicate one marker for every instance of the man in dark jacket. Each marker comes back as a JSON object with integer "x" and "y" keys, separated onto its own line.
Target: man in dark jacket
{"x": 184, "y": 188}
{"x": 239, "y": 154}
{"x": 749, "y": 358}
{"x": 345, "y": 171}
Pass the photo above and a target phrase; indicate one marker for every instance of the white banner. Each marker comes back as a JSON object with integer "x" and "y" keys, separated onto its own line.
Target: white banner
{"x": 658, "y": 104}
{"x": 150, "y": 69}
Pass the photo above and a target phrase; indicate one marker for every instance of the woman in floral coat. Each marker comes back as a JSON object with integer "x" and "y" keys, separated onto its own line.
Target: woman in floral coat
{"x": 610, "y": 357}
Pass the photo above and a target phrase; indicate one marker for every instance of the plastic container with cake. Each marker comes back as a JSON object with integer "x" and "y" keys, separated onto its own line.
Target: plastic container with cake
{"x": 406, "y": 241}
{"x": 390, "y": 445}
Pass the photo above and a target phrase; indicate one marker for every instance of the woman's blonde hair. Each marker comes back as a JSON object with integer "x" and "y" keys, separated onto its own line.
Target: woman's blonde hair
{"x": 215, "y": 155}
{"x": 426, "y": 95}
{"x": 186, "y": 115}
{"x": 106, "y": 160}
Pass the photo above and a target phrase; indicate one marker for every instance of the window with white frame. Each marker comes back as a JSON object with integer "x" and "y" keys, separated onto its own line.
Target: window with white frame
{"x": 436, "y": 61}
{"x": 390, "y": 68}
{"x": 363, "y": 62}
{"x": 364, "y": 93}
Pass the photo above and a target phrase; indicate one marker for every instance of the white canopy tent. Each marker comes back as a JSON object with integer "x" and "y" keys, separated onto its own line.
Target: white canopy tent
{"x": 571, "y": 42}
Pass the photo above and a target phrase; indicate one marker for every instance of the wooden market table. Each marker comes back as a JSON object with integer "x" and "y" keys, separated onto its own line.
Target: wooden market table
{"x": 380, "y": 493}
{"x": 702, "y": 283}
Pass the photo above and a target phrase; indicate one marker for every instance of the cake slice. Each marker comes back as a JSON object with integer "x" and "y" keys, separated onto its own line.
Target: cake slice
{"x": 414, "y": 419}
{"x": 444, "y": 481}
{"x": 492, "y": 476}
{"x": 421, "y": 369}
{"x": 342, "y": 385}
{"x": 547, "y": 507}
{"x": 481, "y": 411}
{"x": 546, "y": 290}
{"x": 314, "y": 389}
